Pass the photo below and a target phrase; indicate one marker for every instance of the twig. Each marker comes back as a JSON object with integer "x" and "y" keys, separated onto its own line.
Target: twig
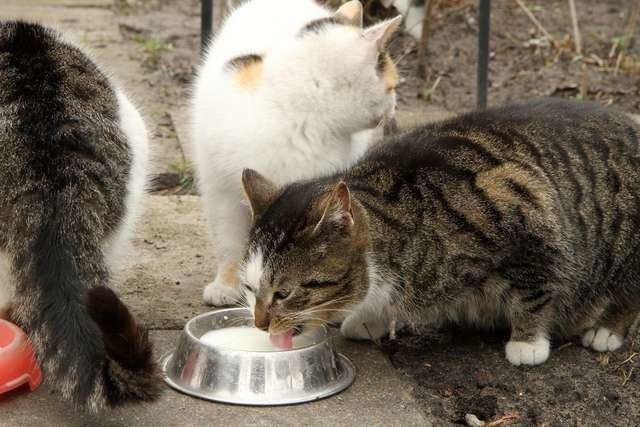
{"x": 628, "y": 376}
{"x": 618, "y": 62}
{"x": 632, "y": 22}
{"x": 576, "y": 29}
{"x": 627, "y": 360}
{"x": 565, "y": 345}
{"x": 535, "y": 21}
{"x": 503, "y": 420}
{"x": 633, "y": 16}
{"x": 584, "y": 82}
{"x": 427, "y": 94}
{"x": 424, "y": 38}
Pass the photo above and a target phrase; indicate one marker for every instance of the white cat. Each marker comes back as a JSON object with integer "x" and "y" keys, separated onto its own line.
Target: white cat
{"x": 283, "y": 87}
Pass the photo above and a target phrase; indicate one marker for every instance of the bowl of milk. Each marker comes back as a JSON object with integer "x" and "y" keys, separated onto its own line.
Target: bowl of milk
{"x": 222, "y": 357}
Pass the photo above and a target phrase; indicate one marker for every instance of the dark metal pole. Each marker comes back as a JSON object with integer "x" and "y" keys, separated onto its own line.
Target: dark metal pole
{"x": 206, "y": 23}
{"x": 484, "y": 21}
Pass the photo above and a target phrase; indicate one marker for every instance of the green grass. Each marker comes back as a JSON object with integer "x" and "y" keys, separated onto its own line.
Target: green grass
{"x": 154, "y": 48}
{"x": 185, "y": 171}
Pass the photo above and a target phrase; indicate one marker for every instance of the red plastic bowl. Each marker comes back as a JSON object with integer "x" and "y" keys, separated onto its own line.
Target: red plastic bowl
{"x": 17, "y": 362}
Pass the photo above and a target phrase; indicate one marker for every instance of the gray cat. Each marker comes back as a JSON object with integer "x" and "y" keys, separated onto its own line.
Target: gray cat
{"x": 526, "y": 215}
{"x": 73, "y": 157}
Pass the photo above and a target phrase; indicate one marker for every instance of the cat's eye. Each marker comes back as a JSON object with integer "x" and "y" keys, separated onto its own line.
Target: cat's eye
{"x": 317, "y": 284}
{"x": 247, "y": 288}
{"x": 280, "y": 295}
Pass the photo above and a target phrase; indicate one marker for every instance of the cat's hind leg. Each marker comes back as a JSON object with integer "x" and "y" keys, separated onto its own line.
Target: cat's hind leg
{"x": 611, "y": 330}
{"x": 229, "y": 222}
{"x": 529, "y": 309}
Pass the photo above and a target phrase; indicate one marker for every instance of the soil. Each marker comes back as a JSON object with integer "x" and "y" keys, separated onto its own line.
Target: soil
{"x": 459, "y": 372}
{"x": 456, "y": 372}
{"x": 522, "y": 64}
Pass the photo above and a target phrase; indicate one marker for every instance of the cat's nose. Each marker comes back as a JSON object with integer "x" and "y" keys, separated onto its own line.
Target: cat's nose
{"x": 262, "y": 317}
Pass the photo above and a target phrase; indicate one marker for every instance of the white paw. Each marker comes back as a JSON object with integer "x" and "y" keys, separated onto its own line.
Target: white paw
{"x": 355, "y": 328}
{"x": 528, "y": 352}
{"x": 602, "y": 339}
{"x": 218, "y": 293}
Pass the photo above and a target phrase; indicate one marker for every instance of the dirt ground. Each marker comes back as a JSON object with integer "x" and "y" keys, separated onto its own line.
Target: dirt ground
{"x": 458, "y": 372}
{"x": 455, "y": 372}
{"x": 522, "y": 64}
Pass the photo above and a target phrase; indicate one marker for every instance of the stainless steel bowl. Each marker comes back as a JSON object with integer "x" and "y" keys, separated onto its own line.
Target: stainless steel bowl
{"x": 254, "y": 377}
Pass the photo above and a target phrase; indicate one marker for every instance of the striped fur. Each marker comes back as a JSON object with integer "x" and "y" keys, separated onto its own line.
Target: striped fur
{"x": 72, "y": 167}
{"x": 526, "y": 215}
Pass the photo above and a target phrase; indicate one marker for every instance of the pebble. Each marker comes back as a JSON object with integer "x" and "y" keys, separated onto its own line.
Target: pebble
{"x": 473, "y": 421}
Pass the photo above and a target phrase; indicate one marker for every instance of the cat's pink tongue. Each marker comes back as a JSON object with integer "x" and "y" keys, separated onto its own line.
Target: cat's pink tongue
{"x": 283, "y": 341}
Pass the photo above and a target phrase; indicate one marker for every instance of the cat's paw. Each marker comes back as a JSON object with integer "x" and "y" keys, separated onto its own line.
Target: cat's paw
{"x": 218, "y": 293}
{"x": 602, "y": 339}
{"x": 528, "y": 352}
{"x": 356, "y": 328}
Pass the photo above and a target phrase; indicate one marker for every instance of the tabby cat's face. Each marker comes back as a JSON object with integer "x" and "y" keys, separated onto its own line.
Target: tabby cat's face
{"x": 306, "y": 262}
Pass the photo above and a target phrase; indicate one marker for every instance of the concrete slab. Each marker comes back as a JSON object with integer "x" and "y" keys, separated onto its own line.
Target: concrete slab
{"x": 61, "y": 3}
{"x": 379, "y": 397}
{"x": 170, "y": 263}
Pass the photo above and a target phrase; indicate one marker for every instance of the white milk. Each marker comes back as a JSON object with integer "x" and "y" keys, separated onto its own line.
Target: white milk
{"x": 247, "y": 338}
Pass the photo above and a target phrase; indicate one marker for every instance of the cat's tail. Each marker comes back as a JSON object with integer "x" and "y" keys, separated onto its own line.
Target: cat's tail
{"x": 89, "y": 345}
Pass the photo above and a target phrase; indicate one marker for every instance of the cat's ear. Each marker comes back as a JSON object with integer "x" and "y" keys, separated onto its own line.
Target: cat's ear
{"x": 380, "y": 33}
{"x": 260, "y": 192}
{"x": 350, "y": 13}
{"x": 337, "y": 208}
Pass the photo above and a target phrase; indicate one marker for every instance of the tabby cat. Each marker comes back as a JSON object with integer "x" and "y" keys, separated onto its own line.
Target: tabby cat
{"x": 73, "y": 161}
{"x": 526, "y": 215}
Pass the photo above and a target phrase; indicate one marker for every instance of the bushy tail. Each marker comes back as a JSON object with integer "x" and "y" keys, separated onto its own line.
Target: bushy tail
{"x": 130, "y": 372}
{"x": 89, "y": 345}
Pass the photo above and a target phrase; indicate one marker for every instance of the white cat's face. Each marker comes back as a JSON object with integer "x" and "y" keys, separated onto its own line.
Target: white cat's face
{"x": 342, "y": 74}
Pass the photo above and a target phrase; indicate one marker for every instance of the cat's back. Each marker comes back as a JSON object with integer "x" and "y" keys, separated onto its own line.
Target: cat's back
{"x": 546, "y": 132}
{"x": 48, "y": 84}
{"x": 260, "y": 25}
{"x": 59, "y": 113}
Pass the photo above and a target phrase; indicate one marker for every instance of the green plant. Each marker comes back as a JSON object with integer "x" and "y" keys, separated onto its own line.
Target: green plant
{"x": 153, "y": 47}
{"x": 185, "y": 172}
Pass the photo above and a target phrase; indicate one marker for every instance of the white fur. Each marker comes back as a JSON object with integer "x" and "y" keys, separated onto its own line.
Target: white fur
{"x": 254, "y": 270}
{"x": 373, "y": 318}
{"x": 413, "y": 16}
{"x": 528, "y": 352}
{"x": 7, "y": 283}
{"x": 602, "y": 339}
{"x": 312, "y": 94}
{"x": 133, "y": 127}
{"x": 251, "y": 276}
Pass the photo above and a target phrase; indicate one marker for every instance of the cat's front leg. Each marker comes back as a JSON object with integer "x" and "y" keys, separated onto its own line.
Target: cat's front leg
{"x": 530, "y": 350}
{"x": 225, "y": 288}
{"x": 365, "y": 325}
{"x": 529, "y": 343}
{"x": 229, "y": 222}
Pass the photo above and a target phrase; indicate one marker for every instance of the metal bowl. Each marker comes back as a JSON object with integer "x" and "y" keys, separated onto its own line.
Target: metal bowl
{"x": 254, "y": 377}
